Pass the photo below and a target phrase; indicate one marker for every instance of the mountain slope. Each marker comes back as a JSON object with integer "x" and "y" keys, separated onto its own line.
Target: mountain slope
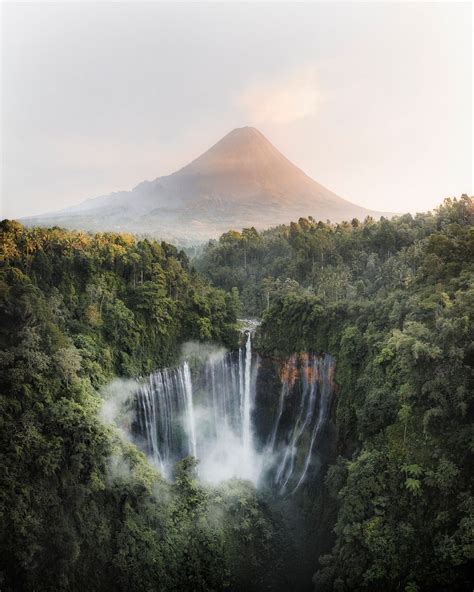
{"x": 241, "y": 181}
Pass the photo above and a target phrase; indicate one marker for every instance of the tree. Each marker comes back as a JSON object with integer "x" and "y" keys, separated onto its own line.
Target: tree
{"x": 68, "y": 362}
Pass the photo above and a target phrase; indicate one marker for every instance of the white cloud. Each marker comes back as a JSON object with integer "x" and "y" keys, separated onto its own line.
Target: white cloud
{"x": 283, "y": 100}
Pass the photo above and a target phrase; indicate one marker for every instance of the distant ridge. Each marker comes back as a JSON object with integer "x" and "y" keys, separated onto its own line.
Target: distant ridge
{"x": 241, "y": 181}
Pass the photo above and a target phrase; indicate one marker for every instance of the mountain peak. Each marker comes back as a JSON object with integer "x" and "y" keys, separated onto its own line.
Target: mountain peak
{"x": 241, "y": 181}
{"x": 241, "y": 149}
{"x": 245, "y": 132}
{"x": 241, "y": 137}
{"x": 244, "y": 136}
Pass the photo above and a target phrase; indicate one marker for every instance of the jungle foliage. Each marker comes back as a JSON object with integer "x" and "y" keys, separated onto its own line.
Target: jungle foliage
{"x": 80, "y": 508}
{"x": 393, "y": 301}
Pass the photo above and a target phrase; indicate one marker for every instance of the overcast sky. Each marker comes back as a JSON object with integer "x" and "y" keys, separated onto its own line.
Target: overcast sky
{"x": 372, "y": 100}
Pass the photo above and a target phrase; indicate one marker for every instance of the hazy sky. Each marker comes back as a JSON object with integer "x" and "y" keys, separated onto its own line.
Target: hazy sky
{"x": 373, "y": 100}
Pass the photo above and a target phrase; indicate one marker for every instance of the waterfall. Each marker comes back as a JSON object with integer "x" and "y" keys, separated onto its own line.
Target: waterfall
{"x": 305, "y": 415}
{"x": 206, "y": 410}
{"x": 285, "y": 389}
{"x": 246, "y": 430}
{"x": 190, "y": 409}
{"x": 326, "y": 391}
{"x": 316, "y": 379}
{"x": 281, "y": 402}
{"x": 163, "y": 400}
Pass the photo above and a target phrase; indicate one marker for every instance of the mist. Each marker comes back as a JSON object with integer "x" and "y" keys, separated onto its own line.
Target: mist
{"x": 118, "y": 404}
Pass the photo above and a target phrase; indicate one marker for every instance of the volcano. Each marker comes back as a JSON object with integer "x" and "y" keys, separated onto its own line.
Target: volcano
{"x": 241, "y": 181}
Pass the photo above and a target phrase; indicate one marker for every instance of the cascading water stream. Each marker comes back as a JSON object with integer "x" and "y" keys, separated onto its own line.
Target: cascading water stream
{"x": 246, "y": 429}
{"x": 283, "y": 395}
{"x": 188, "y": 385}
{"x": 326, "y": 392}
{"x": 306, "y": 411}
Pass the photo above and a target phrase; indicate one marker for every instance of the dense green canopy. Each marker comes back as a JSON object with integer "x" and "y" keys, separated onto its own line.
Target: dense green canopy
{"x": 80, "y": 508}
{"x": 393, "y": 301}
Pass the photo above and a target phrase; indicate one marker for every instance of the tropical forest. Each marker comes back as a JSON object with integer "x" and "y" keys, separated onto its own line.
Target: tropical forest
{"x": 284, "y": 409}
